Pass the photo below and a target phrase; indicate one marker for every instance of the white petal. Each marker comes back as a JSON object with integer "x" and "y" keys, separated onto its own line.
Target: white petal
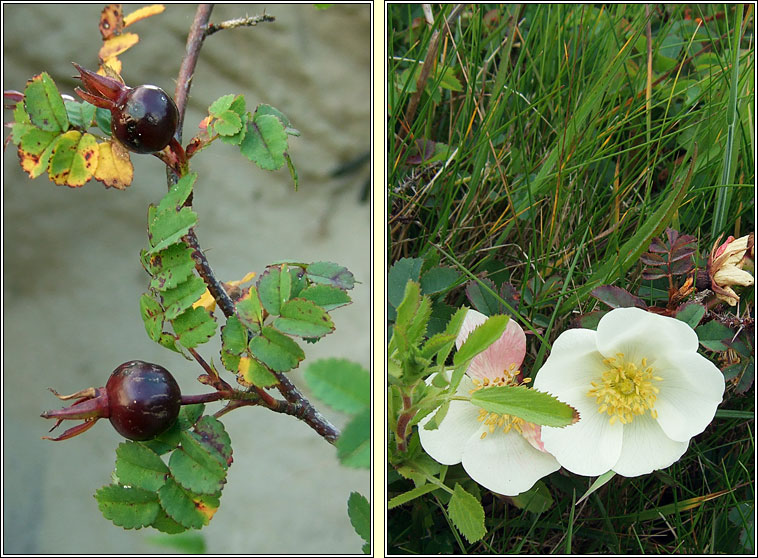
{"x": 691, "y": 389}
{"x": 646, "y": 448}
{"x": 639, "y": 334}
{"x": 471, "y": 321}
{"x": 573, "y": 363}
{"x": 589, "y": 447}
{"x": 445, "y": 444}
{"x": 506, "y": 463}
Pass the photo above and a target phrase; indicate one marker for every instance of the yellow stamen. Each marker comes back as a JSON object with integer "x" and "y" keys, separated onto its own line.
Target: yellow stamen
{"x": 625, "y": 390}
{"x": 494, "y": 421}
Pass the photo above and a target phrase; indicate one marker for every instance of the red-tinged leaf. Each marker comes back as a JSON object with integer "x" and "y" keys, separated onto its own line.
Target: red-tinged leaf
{"x": 652, "y": 259}
{"x": 44, "y": 104}
{"x": 114, "y": 168}
{"x": 616, "y": 297}
{"x": 650, "y": 276}
{"x": 111, "y": 21}
{"x": 74, "y": 159}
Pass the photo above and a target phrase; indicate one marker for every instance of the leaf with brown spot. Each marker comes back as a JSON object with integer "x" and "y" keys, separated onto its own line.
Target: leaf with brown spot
{"x": 34, "y": 150}
{"x": 143, "y": 13}
{"x": 111, "y": 21}
{"x": 117, "y": 45}
{"x": 71, "y": 162}
{"x": 114, "y": 167}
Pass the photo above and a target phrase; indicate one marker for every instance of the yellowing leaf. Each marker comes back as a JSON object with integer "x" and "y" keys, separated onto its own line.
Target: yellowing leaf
{"x": 117, "y": 45}
{"x": 73, "y": 159}
{"x": 143, "y": 13}
{"x": 34, "y": 150}
{"x": 114, "y": 168}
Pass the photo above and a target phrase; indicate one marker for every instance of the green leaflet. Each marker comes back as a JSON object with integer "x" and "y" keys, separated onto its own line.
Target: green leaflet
{"x": 276, "y": 350}
{"x": 44, "y": 104}
{"x": 529, "y": 404}
{"x": 139, "y": 466}
{"x": 467, "y": 514}
{"x": 130, "y": 508}
{"x": 343, "y": 385}
{"x": 354, "y": 444}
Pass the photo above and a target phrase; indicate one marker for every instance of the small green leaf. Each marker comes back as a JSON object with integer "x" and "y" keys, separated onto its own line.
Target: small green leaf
{"x": 81, "y": 115}
{"x": 130, "y": 508}
{"x": 169, "y": 227}
{"x": 35, "y": 148}
{"x": 178, "y": 194}
{"x": 152, "y": 314}
{"x": 212, "y": 433}
{"x": 195, "y": 326}
{"x": 171, "y": 266}
{"x": 270, "y": 291}
{"x": 250, "y": 311}
{"x": 326, "y": 296}
{"x": 438, "y": 279}
{"x": 343, "y": 385}
{"x": 165, "y": 524}
{"x": 189, "y": 415}
{"x": 220, "y": 105}
{"x": 690, "y": 313}
{"x": 190, "y": 510}
{"x": 354, "y": 444}
{"x": 194, "y": 468}
{"x": 233, "y": 343}
{"x": 712, "y": 335}
{"x": 328, "y": 273}
{"x": 467, "y": 514}
{"x": 181, "y": 297}
{"x": 303, "y": 318}
{"x": 139, "y": 466}
{"x": 535, "y": 500}
{"x": 44, "y": 104}
{"x": 265, "y": 142}
{"x": 276, "y": 350}
{"x": 529, "y": 404}
{"x": 481, "y": 338}
{"x": 228, "y": 123}
{"x": 359, "y": 512}
{"x": 402, "y": 271}
{"x": 103, "y": 120}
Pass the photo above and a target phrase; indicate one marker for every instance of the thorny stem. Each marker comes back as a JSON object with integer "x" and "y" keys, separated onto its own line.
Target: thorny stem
{"x": 296, "y": 404}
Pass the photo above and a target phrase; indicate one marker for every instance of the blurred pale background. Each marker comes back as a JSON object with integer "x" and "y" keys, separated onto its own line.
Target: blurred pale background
{"x": 72, "y": 278}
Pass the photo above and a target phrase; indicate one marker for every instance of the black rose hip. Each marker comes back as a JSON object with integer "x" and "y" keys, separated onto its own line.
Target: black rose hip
{"x": 143, "y": 118}
{"x": 140, "y": 399}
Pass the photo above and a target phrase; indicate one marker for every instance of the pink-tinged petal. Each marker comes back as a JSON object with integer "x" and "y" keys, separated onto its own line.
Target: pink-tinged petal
{"x": 691, "y": 389}
{"x": 647, "y": 448}
{"x": 504, "y": 356}
{"x": 446, "y": 443}
{"x": 590, "y": 447}
{"x": 637, "y": 334}
{"x": 506, "y": 463}
{"x": 532, "y": 433}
